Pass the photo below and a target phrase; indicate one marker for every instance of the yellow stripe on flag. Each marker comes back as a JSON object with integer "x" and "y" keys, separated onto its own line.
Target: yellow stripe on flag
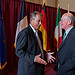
{"x": 44, "y": 35}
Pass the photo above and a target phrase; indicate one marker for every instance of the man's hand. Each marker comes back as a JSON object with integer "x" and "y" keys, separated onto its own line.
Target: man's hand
{"x": 50, "y": 58}
{"x": 40, "y": 60}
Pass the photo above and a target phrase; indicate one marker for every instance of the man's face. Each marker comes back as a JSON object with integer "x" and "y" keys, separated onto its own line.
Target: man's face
{"x": 36, "y": 22}
{"x": 64, "y": 22}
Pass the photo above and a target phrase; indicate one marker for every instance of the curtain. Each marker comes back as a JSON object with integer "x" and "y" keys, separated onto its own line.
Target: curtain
{"x": 11, "y": 10}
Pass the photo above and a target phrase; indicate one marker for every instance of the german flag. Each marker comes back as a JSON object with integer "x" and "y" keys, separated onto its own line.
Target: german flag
{"x": 43, "y": 29}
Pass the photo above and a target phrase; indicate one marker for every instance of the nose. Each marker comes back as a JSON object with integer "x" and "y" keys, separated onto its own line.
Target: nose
{"x": 59, "y": 21}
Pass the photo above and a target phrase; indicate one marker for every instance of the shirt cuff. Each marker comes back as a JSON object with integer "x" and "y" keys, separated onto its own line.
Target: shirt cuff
{"x": 35, "y": 59}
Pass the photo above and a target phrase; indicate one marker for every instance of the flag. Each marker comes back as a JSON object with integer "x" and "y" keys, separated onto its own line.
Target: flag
{"x": 22, "y": 21}
{"x": 3, "y": 59}
{"x": 43, "y": 29}
{"x": 58, "y": 30}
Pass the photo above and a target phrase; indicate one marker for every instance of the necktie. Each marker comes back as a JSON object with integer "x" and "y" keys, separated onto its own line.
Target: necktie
{"x": 64, "y": 36}
{"x": 39, "y": 42}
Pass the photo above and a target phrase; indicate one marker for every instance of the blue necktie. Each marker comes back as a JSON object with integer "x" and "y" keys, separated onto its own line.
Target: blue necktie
{"x": 64, "y": 36}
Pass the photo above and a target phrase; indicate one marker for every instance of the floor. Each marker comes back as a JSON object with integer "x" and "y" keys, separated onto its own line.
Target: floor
{"x": 48, "y": 70}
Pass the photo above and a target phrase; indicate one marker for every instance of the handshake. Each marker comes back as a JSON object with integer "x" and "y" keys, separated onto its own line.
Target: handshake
{"x": 49, "y": 57}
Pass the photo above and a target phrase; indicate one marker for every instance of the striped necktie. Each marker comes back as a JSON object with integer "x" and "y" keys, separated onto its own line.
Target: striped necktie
{"x": 39, "y": 42}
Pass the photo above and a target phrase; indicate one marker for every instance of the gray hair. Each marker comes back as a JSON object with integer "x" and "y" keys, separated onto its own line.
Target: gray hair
{"x": 33, "y": 14}
{"x": 72, "y": 18}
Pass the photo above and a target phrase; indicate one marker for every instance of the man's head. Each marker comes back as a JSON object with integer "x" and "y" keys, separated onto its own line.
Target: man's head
{"x": 36, "y": 19}
{"x": 67, "y": 20}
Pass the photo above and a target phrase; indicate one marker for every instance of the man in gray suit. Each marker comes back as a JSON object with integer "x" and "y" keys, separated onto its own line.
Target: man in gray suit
{"x": 32, "y": 57}
{"x": 66, "y": 52}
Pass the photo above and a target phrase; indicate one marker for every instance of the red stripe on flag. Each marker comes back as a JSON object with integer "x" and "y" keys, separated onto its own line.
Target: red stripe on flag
{"x": 60, "y": 40}
{"x": 44, "y": 20}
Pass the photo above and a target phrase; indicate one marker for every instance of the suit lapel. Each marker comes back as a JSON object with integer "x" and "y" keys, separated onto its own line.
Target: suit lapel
{"x": 67, "y": 37}
{"x": 63, "y": 42}
{"x": 32, "y": 34}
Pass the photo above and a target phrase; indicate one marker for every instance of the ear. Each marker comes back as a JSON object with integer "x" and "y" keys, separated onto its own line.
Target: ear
{"x": 69, "y": 22}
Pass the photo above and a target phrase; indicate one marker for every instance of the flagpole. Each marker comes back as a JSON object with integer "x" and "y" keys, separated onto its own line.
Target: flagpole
{"x": 44, "y": 1}
{"x": 68, "y": 8}
{"x": 57, "y": 4}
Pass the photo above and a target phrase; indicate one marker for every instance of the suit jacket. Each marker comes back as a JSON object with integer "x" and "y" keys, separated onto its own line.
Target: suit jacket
{"x": 66, "y": 55}
{"x": 27, "y": 48}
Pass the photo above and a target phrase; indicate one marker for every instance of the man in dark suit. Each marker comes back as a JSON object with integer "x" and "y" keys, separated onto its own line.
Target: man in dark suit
{"x": 31, "y": 55}
{"x": 66, "y": 52}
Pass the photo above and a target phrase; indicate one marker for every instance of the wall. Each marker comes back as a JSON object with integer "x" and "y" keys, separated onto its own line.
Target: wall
{"x": 63, "y": 3}
{"x": 48, "y": 2}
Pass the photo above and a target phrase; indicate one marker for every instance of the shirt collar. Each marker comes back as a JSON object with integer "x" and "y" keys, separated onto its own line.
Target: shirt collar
{"x": 67, "y": 31}
{"x": 33, "y": 29}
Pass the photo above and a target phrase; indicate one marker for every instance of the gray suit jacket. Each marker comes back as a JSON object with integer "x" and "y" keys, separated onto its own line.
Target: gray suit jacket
{"x": 27, "y": 48}
{"x": 66, "y": 55}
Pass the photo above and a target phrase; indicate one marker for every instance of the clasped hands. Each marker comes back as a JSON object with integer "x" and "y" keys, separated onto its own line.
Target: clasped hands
{"x": 49, "y": 56}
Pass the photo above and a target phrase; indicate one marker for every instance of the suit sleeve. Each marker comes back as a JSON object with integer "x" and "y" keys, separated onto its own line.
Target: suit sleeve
{"x": 69, "y": 64}
{"x": 21, "y": 46}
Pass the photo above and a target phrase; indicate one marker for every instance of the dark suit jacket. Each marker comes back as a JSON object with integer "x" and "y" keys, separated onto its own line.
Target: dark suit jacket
{"x": 66, "y": 55}
{"x": 27, "y": 48}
